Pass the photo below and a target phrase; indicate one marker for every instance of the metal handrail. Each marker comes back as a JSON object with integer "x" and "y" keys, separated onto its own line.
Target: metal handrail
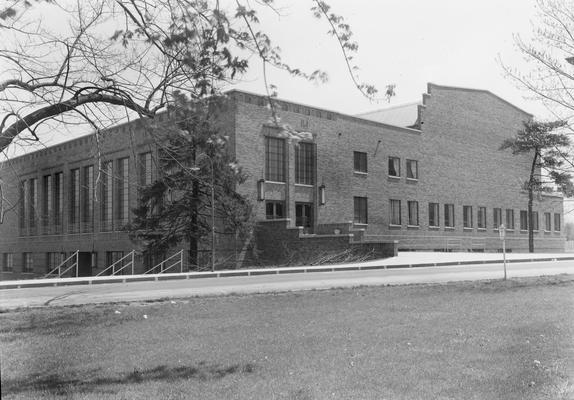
{"x": 161, "y": 264}
{"x": 112, "y": 266}
{"x": 58, "y": 268}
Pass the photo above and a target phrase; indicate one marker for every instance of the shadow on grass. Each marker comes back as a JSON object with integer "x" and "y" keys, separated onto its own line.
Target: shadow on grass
{"x": 58, "y": 384}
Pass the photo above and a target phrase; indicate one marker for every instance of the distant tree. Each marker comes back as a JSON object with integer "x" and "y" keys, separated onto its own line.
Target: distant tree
{"x": 548, "y": 150}
{"x": 176, "y": 208}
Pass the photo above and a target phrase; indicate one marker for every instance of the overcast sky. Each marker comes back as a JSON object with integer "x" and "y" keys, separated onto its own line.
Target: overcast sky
{"x": 405, "y": 42}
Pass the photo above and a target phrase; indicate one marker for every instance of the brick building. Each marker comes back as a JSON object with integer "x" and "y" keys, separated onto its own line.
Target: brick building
{"x": 428, "y": 175}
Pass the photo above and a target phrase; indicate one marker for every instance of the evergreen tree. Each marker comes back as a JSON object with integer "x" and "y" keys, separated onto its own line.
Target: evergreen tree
{"x": 547, "y": 149}
{"x": 176, "y": 208}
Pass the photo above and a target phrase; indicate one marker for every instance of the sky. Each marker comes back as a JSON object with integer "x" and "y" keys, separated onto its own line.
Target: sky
{"x": 408, "y": 43}
{"x": 403, "y": 42}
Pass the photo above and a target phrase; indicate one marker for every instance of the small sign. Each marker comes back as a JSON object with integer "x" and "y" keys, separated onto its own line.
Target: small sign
{"x": 502, "y": 231}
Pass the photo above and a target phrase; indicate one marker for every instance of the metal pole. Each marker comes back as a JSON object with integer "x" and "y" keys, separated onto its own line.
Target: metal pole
{"x": 504, "y": 256}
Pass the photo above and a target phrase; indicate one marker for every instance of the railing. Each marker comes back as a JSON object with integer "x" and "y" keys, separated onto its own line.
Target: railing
{"x": 59, "y": 267}
{"x": 178, "y": 259}
{"x": 131, "y": 255}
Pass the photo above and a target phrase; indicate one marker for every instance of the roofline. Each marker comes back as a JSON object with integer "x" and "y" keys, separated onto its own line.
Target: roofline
{"x": 355, "y": 117}
{"x": 431, "y": 85}
{"x": 412, "y": 103}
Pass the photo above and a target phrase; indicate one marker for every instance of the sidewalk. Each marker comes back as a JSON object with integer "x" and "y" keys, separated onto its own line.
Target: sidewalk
{"x": 403, "y": 260}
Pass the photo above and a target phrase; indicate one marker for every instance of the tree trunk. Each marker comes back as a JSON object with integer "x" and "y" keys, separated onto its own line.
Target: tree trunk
{"x": 531, "y": 184}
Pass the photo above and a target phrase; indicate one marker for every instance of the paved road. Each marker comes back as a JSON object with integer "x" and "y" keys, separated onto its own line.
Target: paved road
{"x": 137, "y": 291}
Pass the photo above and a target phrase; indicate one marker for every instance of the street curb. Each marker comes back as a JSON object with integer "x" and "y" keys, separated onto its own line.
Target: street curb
{"x": 36, "y": 283}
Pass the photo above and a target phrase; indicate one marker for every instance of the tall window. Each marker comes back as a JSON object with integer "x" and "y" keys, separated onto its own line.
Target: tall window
{"x": 509, "y": 218}
{"x": 305, "y": 163}
{"x": 28, "y": 262}
{"x": 33, "y": 205}
{"x": 23, "y": 208}
{"x": 122, "y": 192}
{"x": 58, "y": 196}
{"x": 145, "y": 169}
{"x": 547, "y": 222}
{"x": 395, "y": 210}
{"x": 360, "y": 205}
{"x": 275, "y": 159}
{"x": 523, "y": 220}
{"x": 449, "y": 215}
{"x": 467, "y": 217}
{"x": 88, "y": 199}
{"x": 394, "y": 166}
{"x": 535, "y": 220}
{"x": 481, "y": 220}
{"x": 434, "y": 217}
{"x": 274, "y": 209}
{"x": 8, "y": 262}
{"x": 106, "y": 212}
{"x": 413, "y": 208}
{"x": 360, "y": 161}
{"x": 496, "y": 217}
{"x": 412, "y": 169}
{"x": 47, "y": 201}
{"x": 557, "y": 222}
{"x": 74, "y": 205}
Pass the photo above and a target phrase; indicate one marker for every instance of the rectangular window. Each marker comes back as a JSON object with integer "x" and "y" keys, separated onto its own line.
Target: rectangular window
{"x": 274, "y": 209}
{"x": 107, "y": 197}
{"x": 28, "y": 262}
{"x": 449, "y": 215}
{"x": 481, "y": 220}
{"x": 394, "y": 166}
{"x": 523, "y": 220}
{"x": 33, "y": 205}
{"x": 58, "y": 201}
{"x": 509, "y": 219}
{"x": 88, "y": 199}
{"x": 22, "y": 212}
{"x": 360, "y": 206}
{"x": 47, "y": 202}
{"x": 275, "y": 159}
{"x": 496, "y": 217}
{"x": 360, "y": 161}
{"x": 8, "y": 262}
{"x": 145, "y": 169}
{"x": 467, "y": 217}
{"x": 305, "y": 163}
{"x": 534, "y": 220}
{"x": 304, "y": 216}
{"x": 122, "y": 192}
{"x": 547, "y": 222}
{"x": 413, "y": 208}
{"x": 434, "y": 218}
{"x": 395, "y": 212}
{"x": 557, "y": 223}
{"x": 412, "y": 169}
{"x": 74, "y": 205}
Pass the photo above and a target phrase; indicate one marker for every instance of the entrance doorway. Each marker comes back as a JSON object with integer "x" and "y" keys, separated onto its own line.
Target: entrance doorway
{"x": 304, "y": 216}
{"x": 84, "y": 263}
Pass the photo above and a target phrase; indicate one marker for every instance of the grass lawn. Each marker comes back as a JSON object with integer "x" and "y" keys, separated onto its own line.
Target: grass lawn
{"x": 482, "y": 340}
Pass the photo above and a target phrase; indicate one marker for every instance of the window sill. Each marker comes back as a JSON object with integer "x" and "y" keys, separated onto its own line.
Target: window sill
{"x": 449, "y": 228}
{"x": 360, "y": 173}
{"x": 467, "y": 229}
{"x": 413, "y": 227}
{"x": 434, "y": 228}
{"x": 523, "y": 231}
{"x": 557, "y": 231}
{"x": 413, "y": 180}
{"x": 510, "y": 230}
{"x": 481, "y": 229}
{"x": 305, "y": 185}
{"x": 394, "y": 178}
{"x": 275, "y": 182}
{"x": 394, "y": 226}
